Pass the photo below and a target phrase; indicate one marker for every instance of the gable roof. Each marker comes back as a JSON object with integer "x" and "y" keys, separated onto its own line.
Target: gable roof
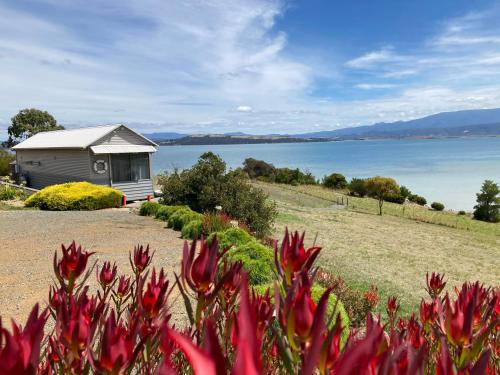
{"x": 72, "y": 138}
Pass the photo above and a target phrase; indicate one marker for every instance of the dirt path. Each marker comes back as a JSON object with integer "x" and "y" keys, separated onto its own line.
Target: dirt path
{"x": 29, "y": 238}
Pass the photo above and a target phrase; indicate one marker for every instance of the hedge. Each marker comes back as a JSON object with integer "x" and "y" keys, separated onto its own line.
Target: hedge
{"x": 75, "y": 196}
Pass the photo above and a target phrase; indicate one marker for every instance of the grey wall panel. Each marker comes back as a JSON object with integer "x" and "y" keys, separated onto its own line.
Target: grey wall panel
{"x": 135, "y": 190}
{"x": 122, "y": 136}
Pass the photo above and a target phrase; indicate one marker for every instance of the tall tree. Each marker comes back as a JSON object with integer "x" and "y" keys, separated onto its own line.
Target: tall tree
{"x": 28, "y": 122}
{"x": 380, "y": 187}
{"x": 488, "y": 203}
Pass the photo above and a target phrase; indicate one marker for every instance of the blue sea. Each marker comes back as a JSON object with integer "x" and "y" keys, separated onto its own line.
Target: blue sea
{"x": 450, "y": 171}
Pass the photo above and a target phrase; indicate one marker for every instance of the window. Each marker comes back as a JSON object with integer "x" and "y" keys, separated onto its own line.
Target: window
{"x": 130, "y": 167}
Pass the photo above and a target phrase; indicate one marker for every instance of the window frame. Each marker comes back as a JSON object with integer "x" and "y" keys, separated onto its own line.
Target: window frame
{"x": 128, "y": 158}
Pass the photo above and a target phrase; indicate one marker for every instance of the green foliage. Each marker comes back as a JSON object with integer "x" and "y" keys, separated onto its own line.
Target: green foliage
{"x": 181, "y": 217}
{"x": 28, "y": 122}
{"x": 164, "y": 212}
{"x": 488, "y": 203}
{"x": 437, "y": 206}
{"x": 394, "y": 198}
{"x": 357, "y": 186}
{"x": 207, "y": 185}
{"x": 418, "y": 199}
{"x": 404, "y": 191}
{"x": 75, "y": 196}
{"x": 8, "y": 193}
{"x": 5, "y": 159}
{"x": 462, "y": 213}
{"x": 149, "y": 208}
{"x": 232, "y": 237}
{"x": 294, "y": 177}
{"x": 335, "y": 181}
{"x": 215, "y": 222}
{"x": 259, "y": 168}
{"x": 192, "y": 229}
{"x": 380, "y": 187}
{"x": 257, "y": 259}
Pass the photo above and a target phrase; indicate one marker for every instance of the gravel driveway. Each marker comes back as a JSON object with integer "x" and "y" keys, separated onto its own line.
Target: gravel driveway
{"x": 29, "y": 238}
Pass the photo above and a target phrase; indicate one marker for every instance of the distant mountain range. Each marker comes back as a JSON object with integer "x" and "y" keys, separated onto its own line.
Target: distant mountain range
{"x": 479, "y": 122}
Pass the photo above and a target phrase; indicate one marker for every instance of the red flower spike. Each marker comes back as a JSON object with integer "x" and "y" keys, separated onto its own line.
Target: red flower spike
{"x": 20, "y": 351}
{"x": 247, "y": 360}
{"x": 435, "y": 284}
{"x": 72, "y": 264}
{"x": 56, "y": 297}
{"x": 428, "y": 312}
{"x": 200, "y": 360}
{"x": 212, "y": 347}
{"x": 152, "y": 300}
{"x": 199, "y": 272}
{"x": 392, "y": 308}
{"x": 118, "y": 348}
{"x": 107, "y": 274}
{"x": 123, "y": 286}
{"x": 292, "y": 257}
{"x": 141, "y": 259}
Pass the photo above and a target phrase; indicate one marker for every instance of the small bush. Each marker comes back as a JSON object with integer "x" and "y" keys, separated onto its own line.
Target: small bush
{"x": 75, "y": 196}
{"x": 181, "y": 217}
{"x": 192, "y": 230}
{"x": 357, "y": 186}
{"x": 164, "y": 212}
{"x": 215, "y": 222}
{"x": 417, "y": 199}
{"x": 5, "y": 159}
{"x": 394, "y": 198}
{"x": 8, "y": 193}
{"x": 232, "y": 237}
{"x": 149, "y": 208}
{"x": 462, "y": 213}
{"x": 257, "y": 260}
{"x": 437, "y": 206}
{"x": 335, "y": 181}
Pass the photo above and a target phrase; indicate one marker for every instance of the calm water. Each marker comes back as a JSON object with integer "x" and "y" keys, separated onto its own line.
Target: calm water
{"x": 445, "y": 170}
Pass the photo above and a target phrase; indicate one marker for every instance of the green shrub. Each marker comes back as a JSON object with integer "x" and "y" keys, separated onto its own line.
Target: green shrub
{"x": 335, "y": 181}
{"x": 259, "y": 169}
{"x": 208, "y": 185}
{"x": 181, "y": 217}
{"x": 75, "y": 196}
{"x": 488, "y": 203}
{"x": 8, "y": 193}
{"x": 5, "y": 159}
{"x": 149, "y": 208}
{"x": 394, "y": 198}
{"x": 404, "y": 191}
{"x": 257, "y": 260}
{"x": 462, "y": 213}
{"x": 192, "y": 230}
{"x": 232, "y": 236}
{"x": 357, "y": 186}
{"x": 164, "y": 212}
{"x": 417, "y": 199}
{"x": 437, "y": 206}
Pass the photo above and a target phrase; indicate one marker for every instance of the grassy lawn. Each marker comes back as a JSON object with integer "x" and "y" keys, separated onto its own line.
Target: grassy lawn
{"x": 8, "y": 207}
{"x": 392, "y": 251}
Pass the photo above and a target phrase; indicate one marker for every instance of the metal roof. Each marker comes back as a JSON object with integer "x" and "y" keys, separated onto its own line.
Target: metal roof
{"x": 70, "y": 138}
{"x": 121, "y": 149}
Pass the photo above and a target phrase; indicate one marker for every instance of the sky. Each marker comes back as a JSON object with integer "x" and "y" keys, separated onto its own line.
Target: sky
{"x": 256, "y": 66}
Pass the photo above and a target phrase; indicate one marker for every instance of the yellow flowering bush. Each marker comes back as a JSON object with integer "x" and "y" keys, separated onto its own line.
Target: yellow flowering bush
{"x": 74, "y": 196}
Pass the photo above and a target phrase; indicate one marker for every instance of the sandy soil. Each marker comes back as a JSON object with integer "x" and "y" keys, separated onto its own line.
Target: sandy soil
{"x": 29, "y": 238}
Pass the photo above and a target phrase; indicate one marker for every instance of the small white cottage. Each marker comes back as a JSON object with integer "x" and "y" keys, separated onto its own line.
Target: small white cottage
{"x": 111, "y": 155}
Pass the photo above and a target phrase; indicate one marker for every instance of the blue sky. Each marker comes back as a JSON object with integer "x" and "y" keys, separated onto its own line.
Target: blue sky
{"x": 257, "y": 66}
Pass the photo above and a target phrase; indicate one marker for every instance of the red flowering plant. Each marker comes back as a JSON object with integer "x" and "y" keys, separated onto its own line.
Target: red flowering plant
{"x": 125, "y": 327}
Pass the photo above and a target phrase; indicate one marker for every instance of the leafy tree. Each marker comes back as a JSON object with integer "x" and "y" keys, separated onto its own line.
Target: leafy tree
{"x": 207, "y": 185}
{"x": 5, "y": 159}
{"x": 258, "y": 168}
{"x": 418, "y": 199}
{"x": 404, "y": 191}
{"x": 28, "y": 122}
{"x": 357, "y": 186}
{"x": 488, "y": 203}
{"x": 335, "y": 181}
{"x": 380, "y": 187}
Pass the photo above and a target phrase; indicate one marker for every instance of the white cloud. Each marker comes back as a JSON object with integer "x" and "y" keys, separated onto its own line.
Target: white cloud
{"x": 374, "y": 86}
{"x": 374, "y": 58}
{"x": 244, "y": 108}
